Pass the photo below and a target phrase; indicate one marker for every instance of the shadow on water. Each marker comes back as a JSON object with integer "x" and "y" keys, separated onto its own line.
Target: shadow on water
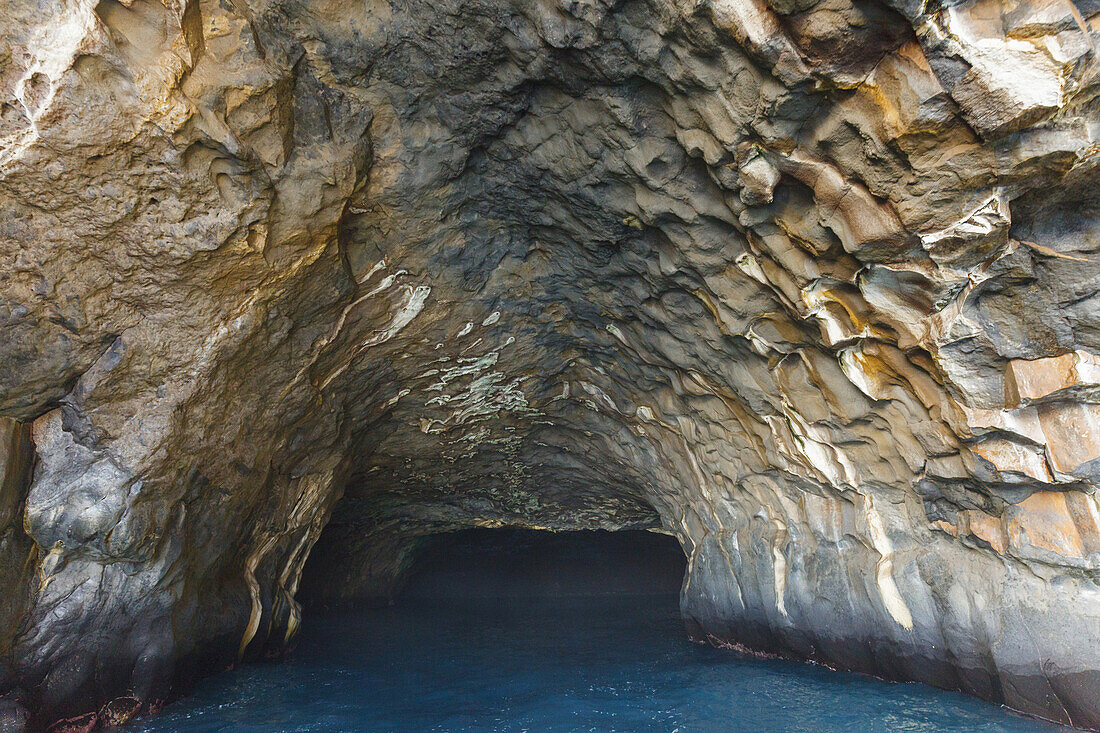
{"x": 506, "y": 630}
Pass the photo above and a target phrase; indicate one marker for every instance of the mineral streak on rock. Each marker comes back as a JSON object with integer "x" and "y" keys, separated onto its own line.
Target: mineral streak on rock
{"x": 811, "y": 285}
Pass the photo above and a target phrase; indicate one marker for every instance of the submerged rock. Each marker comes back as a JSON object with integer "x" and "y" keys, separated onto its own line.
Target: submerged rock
{"x": 810, "y": 285}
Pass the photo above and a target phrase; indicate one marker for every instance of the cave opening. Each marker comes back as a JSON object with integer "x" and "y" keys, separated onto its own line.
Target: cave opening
{"x": 501, "y": 563}
{"x": 521, "y": 563}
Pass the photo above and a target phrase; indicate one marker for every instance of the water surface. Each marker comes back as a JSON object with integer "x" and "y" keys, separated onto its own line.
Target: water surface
{"x": 567, "y": 663}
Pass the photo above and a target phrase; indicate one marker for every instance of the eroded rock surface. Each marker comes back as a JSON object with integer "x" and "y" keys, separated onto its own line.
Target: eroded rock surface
{"x": 810, "y": 285}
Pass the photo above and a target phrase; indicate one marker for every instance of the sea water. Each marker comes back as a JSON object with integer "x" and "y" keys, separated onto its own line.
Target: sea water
{"x": 564, "y": 663}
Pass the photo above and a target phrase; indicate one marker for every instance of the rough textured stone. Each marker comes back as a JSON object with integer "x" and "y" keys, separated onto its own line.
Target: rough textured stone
{"x": 809, "y": 284}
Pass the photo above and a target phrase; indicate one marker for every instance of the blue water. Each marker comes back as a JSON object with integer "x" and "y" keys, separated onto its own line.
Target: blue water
{"x": 552, "y": 664}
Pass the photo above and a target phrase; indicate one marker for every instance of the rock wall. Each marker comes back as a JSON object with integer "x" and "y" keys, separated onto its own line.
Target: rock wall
{"x": 811, "y": 285}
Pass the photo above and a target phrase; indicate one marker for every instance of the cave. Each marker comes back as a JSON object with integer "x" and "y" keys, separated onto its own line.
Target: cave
{"x": 806, "y": 285}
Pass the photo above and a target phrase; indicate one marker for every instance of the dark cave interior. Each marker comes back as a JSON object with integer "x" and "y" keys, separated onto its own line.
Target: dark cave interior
{"x": 526, "y": 563}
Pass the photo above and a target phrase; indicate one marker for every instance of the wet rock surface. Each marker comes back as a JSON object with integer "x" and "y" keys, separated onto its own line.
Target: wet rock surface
{"x": 811, "y": 286}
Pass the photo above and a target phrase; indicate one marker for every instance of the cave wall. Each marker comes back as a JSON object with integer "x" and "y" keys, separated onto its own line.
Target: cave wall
{"x": 810, "y": 285}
